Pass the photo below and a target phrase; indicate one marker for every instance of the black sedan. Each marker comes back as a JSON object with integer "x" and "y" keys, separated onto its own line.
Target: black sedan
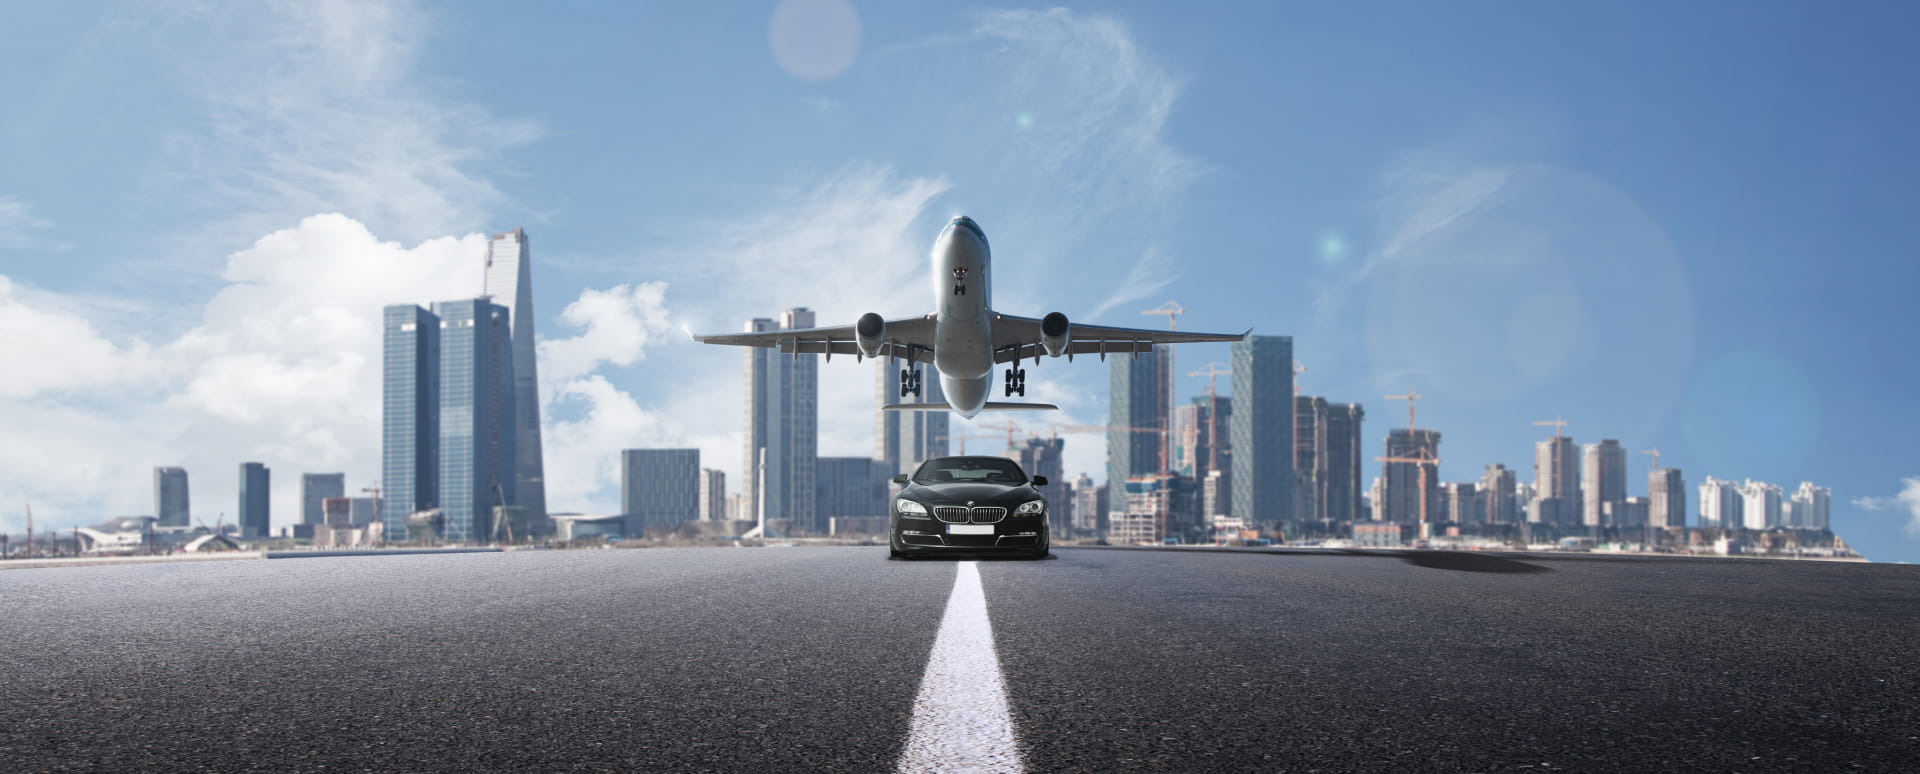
{"x": 971, "y": 504}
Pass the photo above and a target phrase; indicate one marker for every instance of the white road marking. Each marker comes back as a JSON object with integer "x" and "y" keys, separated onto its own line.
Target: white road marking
{"x": 960, "y": 720}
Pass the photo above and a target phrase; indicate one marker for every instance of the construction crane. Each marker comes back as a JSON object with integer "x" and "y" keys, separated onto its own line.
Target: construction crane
{"x": 1556, "y": 423}
{"x": 1213, "y": 371}
{"x": 1655, "y": 453}
{"x": 1171, "y": 309}
{"x": 375, "y": 491}
{"x": 1420, "y": 460}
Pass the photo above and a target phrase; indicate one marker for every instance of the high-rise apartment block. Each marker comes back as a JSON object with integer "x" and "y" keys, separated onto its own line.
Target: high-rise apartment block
{"x": 1556, "y": 482}
{"x": 782, "y": 428}
{"x": 1811, "y": 506}
{"x": 1760, "y": 505}
{"x": 410, "y": 417}
{"x": 256, "y": 501}
{"x": 659, "y": 489}
{"x": 315, "y": 490}
{"x": 1406, "y": 502}
{"x": 904, "y": 439}
{"x": 1261, "y": 429}
{"x": 477, "y": 426}
{"x": 1603, "y": 479}
{"x": 713, "y": 495}
{"x": 170, "y": 503}
{"x": 1666, "y": 498}
{"x": 1498, "y": 484}
{"x": 509, "y": 283}
{"x": 1720, "y": 504}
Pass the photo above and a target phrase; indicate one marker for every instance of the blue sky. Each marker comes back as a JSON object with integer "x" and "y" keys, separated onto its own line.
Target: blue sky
{"x": 1679, "y": 225}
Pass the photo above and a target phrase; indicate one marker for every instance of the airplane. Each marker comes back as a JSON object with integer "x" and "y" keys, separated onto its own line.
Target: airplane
{"x": 964, "y": 338}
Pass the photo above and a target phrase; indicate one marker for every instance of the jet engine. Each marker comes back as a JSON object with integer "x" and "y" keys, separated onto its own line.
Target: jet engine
{"x": 1053, "y": 334}
{"x": 869, "y": 333}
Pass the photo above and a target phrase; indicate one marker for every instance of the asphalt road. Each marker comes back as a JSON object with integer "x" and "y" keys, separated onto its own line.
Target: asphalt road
{"x": 811, "y": 659}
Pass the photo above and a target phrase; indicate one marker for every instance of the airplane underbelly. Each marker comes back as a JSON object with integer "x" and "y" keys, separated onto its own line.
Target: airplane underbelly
{"x": 963, "y": 349}
{"x": 966, "y": 397}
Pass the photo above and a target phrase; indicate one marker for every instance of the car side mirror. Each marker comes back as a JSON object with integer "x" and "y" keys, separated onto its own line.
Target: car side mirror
{"x": 900, "y": 479}
{"x": 1039, "y": 480}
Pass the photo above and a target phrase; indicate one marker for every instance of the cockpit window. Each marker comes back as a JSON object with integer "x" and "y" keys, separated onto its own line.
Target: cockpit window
{"x": 968, "y": 224}
{"x": 983, "y": 469}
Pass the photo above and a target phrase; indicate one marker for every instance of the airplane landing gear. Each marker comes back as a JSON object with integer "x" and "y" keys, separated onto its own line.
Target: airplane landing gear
{"x": 1016, "y": 382}
{"x": 909, "y": 382}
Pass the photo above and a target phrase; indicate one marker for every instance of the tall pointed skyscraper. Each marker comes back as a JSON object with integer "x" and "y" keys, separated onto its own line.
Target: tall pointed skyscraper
{"x": 509, "y": 280}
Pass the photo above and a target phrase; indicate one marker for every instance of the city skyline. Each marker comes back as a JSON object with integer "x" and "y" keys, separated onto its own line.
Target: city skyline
{"x": 233, "y": 323}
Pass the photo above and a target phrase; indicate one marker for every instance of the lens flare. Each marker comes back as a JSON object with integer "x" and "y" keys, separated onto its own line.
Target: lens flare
{"x": 814, "y": 40}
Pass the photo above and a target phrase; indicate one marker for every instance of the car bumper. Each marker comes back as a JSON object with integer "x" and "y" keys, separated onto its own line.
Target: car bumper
{"x": 910, "y": 535}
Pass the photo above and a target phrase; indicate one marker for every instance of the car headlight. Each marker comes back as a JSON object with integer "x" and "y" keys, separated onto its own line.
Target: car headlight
{"x": 908, "y": 507}
{"x": 1031, "y": 507}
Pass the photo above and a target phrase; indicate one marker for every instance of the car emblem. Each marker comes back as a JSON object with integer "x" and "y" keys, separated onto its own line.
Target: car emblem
{"x": 969, "y": 502}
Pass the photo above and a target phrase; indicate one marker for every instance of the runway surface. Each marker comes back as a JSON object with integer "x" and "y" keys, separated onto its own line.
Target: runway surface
{"x": 818, "y": 659}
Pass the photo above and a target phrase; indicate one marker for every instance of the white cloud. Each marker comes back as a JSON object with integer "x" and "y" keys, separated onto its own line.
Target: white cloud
{"x": 1908, "y": 500}
{"x": 616, "y": 325}
{"x": 283, "y": 367}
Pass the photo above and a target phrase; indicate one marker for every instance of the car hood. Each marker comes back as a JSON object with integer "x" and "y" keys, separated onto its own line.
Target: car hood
{"x": 958, "y": 493}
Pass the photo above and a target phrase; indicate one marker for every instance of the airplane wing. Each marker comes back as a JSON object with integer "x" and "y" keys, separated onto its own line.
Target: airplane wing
{"x": 1018, "y": 338}
{"x": 906, "y": 338}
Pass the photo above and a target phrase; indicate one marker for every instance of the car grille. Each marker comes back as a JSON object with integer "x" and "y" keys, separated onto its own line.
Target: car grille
{"x": 960, "y": 514}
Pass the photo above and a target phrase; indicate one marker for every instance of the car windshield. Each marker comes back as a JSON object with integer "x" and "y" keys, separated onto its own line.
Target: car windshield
{"x": 983, "y": 469}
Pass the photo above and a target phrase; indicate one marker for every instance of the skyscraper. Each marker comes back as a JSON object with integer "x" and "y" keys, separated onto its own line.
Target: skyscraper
{"x": 509, "y": 283}
{"x": 782, "y": 428}
{"x": 1310, "y": 418}
{"x": 256, "y": 501}
{"x": 1261, "y": 433}
{"x": 1403, "y": 479}
{"x": 1720, "y": 504}
{"x": 1186, "y": 440}
{"x": 1046, "y": 457}
{"x": 849, "y": 487}
{"x": 713, "y": 495}
{"x": 1344, "y": 459}
{"x": 659, "y": 489}
{"x": 1556, "y": 482}
{"x": 1603, "y": 478}
{"x": 1133, "y": 405}
{"x": 476, "y": 417}
{"x": 1666, "y": 498}
{"x": 170, "y": 504}
{"x": 315, "y": 489}
{"x": 1497, "y": 482}
{"x": 904, "y": 439}
{"x": 1086, "y": 504}
{"x": 410, "y": 417}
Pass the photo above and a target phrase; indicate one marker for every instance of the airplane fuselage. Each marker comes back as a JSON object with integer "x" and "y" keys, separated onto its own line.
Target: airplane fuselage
{"x": 963, "y": 333}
